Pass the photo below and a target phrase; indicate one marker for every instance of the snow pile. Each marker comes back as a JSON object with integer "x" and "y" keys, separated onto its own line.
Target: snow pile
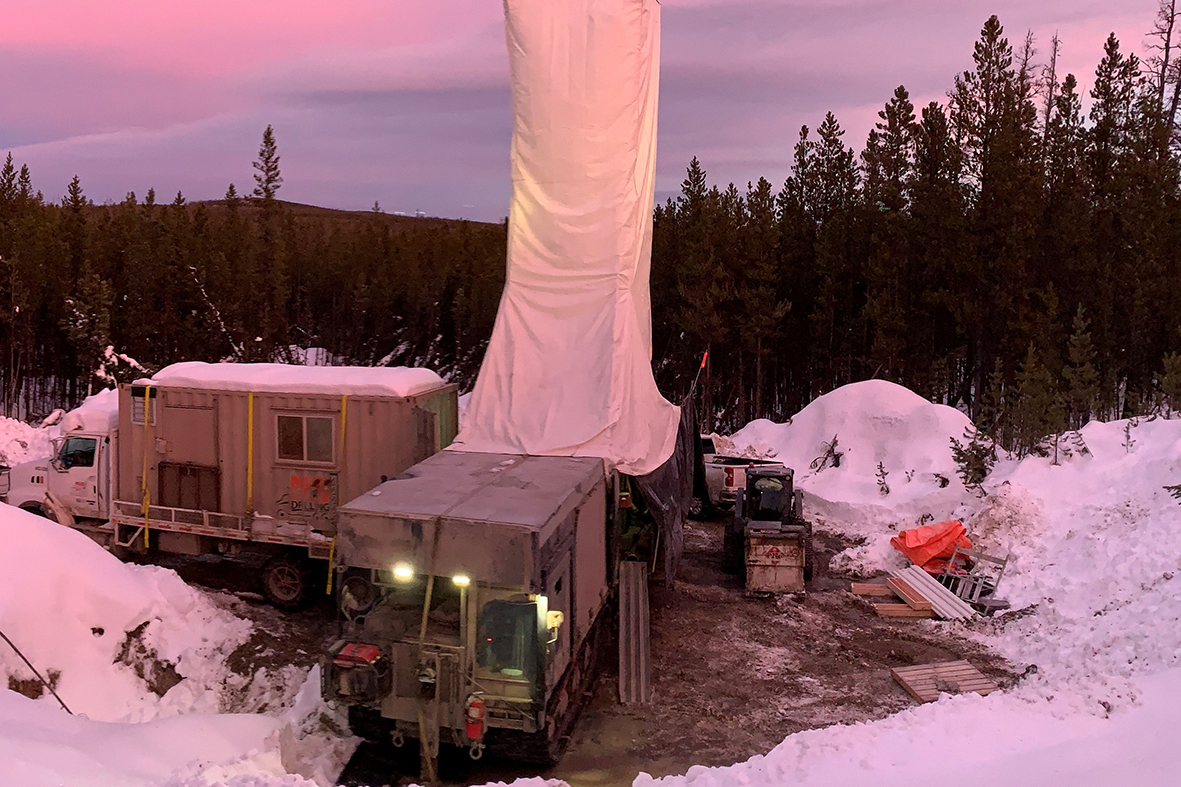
{"x": 20, "y": 442}
{"x": 41, "y": 746}
{"x": 286, "y": 378}
{"x": 118, "y": 642}
{"x": 1095, "y": 545}
{"x": 99, "y": 413}
{"x": 878, "y": 427}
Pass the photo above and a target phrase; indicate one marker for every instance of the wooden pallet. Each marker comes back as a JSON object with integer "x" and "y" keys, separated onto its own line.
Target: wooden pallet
{"x": 925, "y": 682}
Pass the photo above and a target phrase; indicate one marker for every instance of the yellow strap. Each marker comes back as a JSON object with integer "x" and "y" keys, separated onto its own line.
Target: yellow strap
{"x": 344, "y": 420}
{"x": 331, "y": 558}
{"x": 146, "y": 501}
{"x": 249, "y": 454}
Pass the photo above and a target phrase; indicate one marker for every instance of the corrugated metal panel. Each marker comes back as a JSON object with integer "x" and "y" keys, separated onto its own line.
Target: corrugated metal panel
{"x": 635, "y": 663}
{"x": 946, "y": 604}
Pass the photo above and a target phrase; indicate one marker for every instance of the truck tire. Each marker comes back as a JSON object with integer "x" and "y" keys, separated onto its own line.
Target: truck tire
{"x": 34, "y": 508}
{"x": 287, "y": 581}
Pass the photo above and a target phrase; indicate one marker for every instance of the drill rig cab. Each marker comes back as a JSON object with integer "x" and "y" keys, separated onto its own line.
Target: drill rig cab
{"x": 474, "y": 590}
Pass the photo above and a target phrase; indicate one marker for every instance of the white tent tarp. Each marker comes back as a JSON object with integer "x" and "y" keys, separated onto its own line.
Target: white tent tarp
{"x": 568, "y": 371}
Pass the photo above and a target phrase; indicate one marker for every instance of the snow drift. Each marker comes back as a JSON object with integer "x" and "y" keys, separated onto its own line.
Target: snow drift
{"x": 121, "y": 642}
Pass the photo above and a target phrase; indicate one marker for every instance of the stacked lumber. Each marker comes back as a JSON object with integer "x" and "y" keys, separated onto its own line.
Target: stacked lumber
{"x": 913, "y": 593}
{"x": 889, "y": 602}
{"x": 946, "y": 605}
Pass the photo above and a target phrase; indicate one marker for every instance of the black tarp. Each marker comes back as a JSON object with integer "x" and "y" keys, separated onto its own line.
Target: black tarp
{"x": 668, "y": 489}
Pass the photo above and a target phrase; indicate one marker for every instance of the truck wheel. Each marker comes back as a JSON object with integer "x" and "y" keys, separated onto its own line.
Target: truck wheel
{"x": 34, "y": 508}
{"x": 286, "y": 581}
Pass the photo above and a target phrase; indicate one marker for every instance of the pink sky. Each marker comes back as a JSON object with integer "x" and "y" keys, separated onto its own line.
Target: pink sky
{"x": 405, "y": 102}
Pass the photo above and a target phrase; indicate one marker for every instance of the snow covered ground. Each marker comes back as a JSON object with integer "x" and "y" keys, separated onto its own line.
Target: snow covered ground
{"x": 1095, "y": 543}
{"x": 1096, "y": 560}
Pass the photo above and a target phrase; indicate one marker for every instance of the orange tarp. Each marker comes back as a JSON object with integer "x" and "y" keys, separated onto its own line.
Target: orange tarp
{"x": 930, "y": 546}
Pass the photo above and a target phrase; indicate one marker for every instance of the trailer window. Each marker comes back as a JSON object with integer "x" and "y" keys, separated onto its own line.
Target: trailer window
{"x": 305, "y": 438}
{"x": 137, "y": 406}
{"x": 508, "y": 639}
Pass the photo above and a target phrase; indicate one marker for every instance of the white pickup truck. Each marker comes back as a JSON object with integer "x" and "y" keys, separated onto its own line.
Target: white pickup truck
{"x": 725, "y": 475}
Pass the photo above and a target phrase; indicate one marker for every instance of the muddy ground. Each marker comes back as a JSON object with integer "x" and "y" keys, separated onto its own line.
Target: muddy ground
{"x": 732, "y": 675}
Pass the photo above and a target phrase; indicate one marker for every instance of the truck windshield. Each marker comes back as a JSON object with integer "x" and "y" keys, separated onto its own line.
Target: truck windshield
{"x": 77, "y": 452}
{"x": 398, "y": 613}
{"x": 508, "y": 639}
{"x": 768, "y": 499}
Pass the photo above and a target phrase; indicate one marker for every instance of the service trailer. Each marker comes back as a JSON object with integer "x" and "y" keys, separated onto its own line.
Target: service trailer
{"x": 220, "y": 458}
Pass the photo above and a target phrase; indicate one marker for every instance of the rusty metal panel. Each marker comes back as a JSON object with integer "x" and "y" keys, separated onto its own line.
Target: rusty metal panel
{"x": 635, "y": 662}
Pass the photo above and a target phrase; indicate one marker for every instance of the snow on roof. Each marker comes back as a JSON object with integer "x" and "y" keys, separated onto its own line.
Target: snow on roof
{"x": 99, "y": 413}
{"x": 286, "y": 378}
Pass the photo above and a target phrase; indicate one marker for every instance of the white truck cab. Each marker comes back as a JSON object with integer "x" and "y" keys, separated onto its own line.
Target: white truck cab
{"x": 71, "y": 484}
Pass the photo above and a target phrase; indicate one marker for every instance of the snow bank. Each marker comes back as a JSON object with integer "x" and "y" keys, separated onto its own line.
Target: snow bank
{"x": 20, "y": 442}
{"x": 874, "y": 423}
{"x": 98, "y": 413}
{"x": 121, "y": 642}
{"x": 287, "y": 378}
{"x": 41, "y": 746}
{"x": 1096, "y": 549}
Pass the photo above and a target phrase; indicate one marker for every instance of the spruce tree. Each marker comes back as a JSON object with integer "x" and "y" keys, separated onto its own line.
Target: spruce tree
{"x": 267, "y": 177}
{"x": 1039, "y": 407}
{"x": 1082, "y": 381}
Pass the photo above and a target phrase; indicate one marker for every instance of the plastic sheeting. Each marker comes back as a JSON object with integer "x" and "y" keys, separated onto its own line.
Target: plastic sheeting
{"x": 668, "y": 489}
{"x": 931, "y": 546}
{"x": 568, "y": 370}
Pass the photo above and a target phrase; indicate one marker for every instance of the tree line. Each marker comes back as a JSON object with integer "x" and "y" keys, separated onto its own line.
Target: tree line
{"x": 99, "y": 293}
{"x": 1005, "y": 252}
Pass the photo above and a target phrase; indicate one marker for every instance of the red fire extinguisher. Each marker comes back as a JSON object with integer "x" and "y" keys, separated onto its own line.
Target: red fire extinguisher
{"x": 475, "y": 717}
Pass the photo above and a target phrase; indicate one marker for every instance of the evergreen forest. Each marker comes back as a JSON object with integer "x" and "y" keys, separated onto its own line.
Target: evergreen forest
{"x": 1014, "y": 250}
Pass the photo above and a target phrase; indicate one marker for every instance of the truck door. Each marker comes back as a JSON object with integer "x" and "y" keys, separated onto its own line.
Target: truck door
{"x": 73, "y": 477}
